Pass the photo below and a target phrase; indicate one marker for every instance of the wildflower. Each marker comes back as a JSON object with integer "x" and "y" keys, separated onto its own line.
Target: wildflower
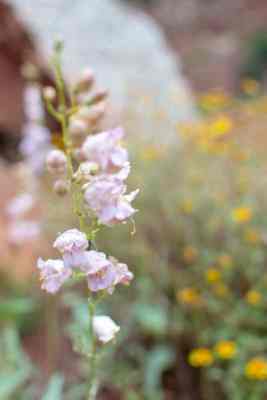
{"x": 253, "y": 297}
{"x": 201, "y": 357}
{"x": 242, "y": 214}
{"x": 20, "y": 205}
{"x": 49, "y": 93}
{"x": 190, "y": 254}
{"x": 225, "y": 349}
{"x": 105, "y": 195}
{"x": 70, "y": 241}
{"x": 53, "y": 274}
{"x": 256, "y": 369}
{"x": 56, "y": 162}
{"x": 220, "y": 289}
{"x": 104, "y": 328}
{"x": 77, "y": 129}
{"x": 225, "y": 261}
{"x": 252, "y": 236}
{"x": 105, "y": 150}
{"x": 189, "y": 296}
{"x": 220, "y": 127}
{"x": 85, "y": 81}
{"x": 213, "y": 275}
{"x": 187, "y": 207}
{"x": 61, "y": 187}
{"x": 22, "y": 231}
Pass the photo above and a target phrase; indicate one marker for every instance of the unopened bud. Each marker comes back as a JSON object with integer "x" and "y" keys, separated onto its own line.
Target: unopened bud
{"x": 77, "y": 129}
{"x": 61, "y": 187}
{"x": 86, "y": 81}
{"x": 49, "y": 93}
{"x": 98, "y": 96}
{"x": 56, "y": 162}
{"x": 79, "y": 155}
{"x": 97, "y": 113}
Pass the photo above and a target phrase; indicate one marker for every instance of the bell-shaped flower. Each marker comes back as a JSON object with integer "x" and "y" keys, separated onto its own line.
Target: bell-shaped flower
{"x": 71, "y": 241}
{"x": 104, "y": 328}
{"x": 105, "y": 150}
{"x": 53, "y": 274}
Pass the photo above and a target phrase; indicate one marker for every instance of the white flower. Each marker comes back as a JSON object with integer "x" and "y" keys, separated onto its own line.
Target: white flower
{"x": 71, "y": 240}
{"x": 104, "y": 328}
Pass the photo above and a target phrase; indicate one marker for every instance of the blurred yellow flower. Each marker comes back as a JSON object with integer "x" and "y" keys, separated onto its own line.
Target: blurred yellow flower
{"x": 242, "y": 214}
{"x": 253, "y": 297}
{"x": 214, "y": 100}
{"x": 213, "y": 275}
{"x": 256, "y": 369}
{"x": 190, "y": 254}
{"x": 252, "y": 236}
{"x": 220, "y": 127}
{"x": 220, "y": 289}
{"x": 187, "y": 207}
{"x": 152, "y": 153}
{"x": 201, "y": 357}
{"x": 225, "y": 349}
{"x": 250, "y": 86}
{"x": 225, "y": 261}
{"x": 189, "y": 296}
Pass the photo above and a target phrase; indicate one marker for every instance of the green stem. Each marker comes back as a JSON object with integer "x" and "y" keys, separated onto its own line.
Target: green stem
{"x": 92, "y": 390}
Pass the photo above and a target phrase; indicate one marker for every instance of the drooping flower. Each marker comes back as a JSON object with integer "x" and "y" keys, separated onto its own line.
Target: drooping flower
{"x": 53, "y": 274}
{"x": 71, "y": 241}
{"x": 104, "y": 328}
{"x": 105, "y": 149}
{"x": 105, "y": 195}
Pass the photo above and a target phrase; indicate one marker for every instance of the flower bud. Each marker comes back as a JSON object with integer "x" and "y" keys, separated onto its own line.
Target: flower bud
{"x": 86, "y": 81}
{"x": 77, "y": 129}
{"x": 98, "y": 96}
{"x": 104, "y": 328}
{"x": 61, "y": 187}
{"x": 56, "y": 162}
{"x": 49, "y": 93}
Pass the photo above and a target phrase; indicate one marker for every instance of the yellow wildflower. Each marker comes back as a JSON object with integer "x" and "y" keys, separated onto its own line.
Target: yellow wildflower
{"x": 225, "y": 261}
{"x": 250, "y": 86}
{"x": 213, "y": 275}
{"x": 225, "y": 349}
{"x": 220, "y": 289}
{"x": 252, "y": 236}
{"x": 187, "y": 207}
{"x": 220, "y": 127}
{"x": 201, "y": 357}
{"x": 189, "y": 296}
{"x": 253, "y": 297}
{"x": 214, "y": 100}
{"x": 256, "y": 369}
{"x": 190, "y": 254}
{"x": 242, "y": 214}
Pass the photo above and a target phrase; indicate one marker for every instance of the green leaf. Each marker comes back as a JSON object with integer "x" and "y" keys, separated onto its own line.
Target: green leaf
{"x": 55, "y": 388}
{"x": 158, "y": 360}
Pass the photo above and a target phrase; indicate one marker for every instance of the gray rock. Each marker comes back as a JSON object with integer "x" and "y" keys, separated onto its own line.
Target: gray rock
{"x": 125, "y": 48}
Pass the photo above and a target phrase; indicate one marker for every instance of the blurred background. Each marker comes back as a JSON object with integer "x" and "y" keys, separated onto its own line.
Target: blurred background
{"x": 187, "y": 80}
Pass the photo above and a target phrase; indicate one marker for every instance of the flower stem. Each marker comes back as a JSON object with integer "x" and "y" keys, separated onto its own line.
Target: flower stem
{"x": 92, "y": 390}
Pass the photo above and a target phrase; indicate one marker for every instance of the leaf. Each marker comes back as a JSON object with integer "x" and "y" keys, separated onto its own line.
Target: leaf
{"x": 157, "y": 361}
{"x": 9, "y": 383}
{"x": 55, "y": 388}
{"x": 152, "y": 318}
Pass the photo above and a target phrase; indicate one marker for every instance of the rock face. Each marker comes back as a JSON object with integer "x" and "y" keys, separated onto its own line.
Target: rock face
{"x": 125, "y": 47}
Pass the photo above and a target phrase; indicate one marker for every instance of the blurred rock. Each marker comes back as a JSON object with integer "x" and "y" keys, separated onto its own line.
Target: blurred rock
{"x": 124, "y": 46}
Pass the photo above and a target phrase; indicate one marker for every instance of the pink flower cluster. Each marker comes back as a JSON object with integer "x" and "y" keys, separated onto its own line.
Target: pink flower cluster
{"x": 102, "y": 273}
{"x": 105, "y": 194}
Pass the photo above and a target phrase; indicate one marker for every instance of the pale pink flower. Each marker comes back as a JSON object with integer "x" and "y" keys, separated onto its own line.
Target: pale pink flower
{"x": 56, "y": 162}
{"x": 104, "y": 328}
{"x": 70, "y": 241}
{"x": 53, "y": 274}
{"x": 105, "y": 195}
{"x": 21, "y": 231}
{"x": 105, "y": 150}
{"x": 20, "y": 205}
